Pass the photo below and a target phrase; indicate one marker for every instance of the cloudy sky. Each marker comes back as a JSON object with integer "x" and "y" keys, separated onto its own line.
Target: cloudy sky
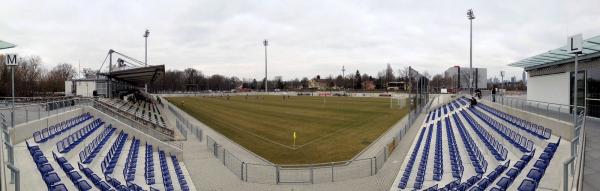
{"x": 306, "y": 37}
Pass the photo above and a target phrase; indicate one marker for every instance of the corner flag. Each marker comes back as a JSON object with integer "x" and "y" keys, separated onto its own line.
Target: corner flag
{"x": 294, "y": 138}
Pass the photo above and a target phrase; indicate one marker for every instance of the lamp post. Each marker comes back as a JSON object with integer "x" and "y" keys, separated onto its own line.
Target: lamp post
{"x": 470, "y": 16}
{"x": 266, "y": 43}
{"x": 146, "y": 34}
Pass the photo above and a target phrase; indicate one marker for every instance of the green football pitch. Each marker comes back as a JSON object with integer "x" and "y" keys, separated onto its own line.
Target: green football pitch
{"x": 327, "y": 129}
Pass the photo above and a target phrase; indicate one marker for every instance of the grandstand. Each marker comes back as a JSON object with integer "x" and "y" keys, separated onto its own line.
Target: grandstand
{"x": 84, "y": 152}
{"x": 481, "y": 148}
{"x": 142, "y": 110}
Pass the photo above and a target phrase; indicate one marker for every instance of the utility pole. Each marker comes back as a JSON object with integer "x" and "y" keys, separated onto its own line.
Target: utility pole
{"x": 470, "y": 16}
{"x": 266, "y": 43}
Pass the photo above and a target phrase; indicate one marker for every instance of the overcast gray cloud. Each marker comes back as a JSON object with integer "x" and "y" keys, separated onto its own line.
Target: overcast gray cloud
{"x": 306, "y": 37}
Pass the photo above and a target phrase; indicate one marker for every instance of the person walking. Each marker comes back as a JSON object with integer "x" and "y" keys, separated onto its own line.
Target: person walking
{"x": 493, "y": 94}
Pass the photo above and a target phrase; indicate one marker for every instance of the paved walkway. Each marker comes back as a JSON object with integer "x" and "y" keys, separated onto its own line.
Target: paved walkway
{"x": 591, "y": 169}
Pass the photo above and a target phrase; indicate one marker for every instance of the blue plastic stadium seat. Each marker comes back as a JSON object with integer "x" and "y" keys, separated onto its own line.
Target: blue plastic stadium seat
{"x": 74, "y": 176}
{"x": 504, "y": 183}
{"x": 527, "y": 185}
{"x": 546, "y": 156}
{"x": 541, "y": 164}
{"x": 83, "y": 185}
{"x": 512, "y": 173}
{"x": 484, "y": 183}
{"x": 45, "y": 168}
{"x": 51, "y": 178}
{"x": 58, "y": 187}
{"x": 535, "y": 174}
{"x": 520, "y": 165}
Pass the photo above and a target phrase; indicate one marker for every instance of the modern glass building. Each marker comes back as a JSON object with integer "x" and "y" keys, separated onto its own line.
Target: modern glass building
{"x": 550, "y": 76}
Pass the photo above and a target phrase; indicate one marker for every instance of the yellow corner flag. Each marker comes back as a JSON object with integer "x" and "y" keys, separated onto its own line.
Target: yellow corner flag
{"x": 294, "y": 138}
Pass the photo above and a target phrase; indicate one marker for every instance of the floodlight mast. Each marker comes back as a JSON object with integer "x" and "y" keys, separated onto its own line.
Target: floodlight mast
{"x": 146, "y": 34}
{"x": 470, "y": 16}
{"x": 266, "y": 43}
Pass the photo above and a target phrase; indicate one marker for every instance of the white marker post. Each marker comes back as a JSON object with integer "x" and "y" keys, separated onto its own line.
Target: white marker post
{"x": 575, "y": 46}
{"x": 12, "y": 62}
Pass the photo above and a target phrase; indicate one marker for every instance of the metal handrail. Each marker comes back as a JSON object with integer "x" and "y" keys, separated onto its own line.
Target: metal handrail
{"x": 157, "y": 134}
{"x": 17, "y": 173}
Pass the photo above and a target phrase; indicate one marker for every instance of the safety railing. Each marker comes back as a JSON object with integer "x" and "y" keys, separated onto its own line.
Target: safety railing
{"x": 10, "y": 158}
{"x": 576, "y": 161}
{"x": 556, "y": 111}
{"x": 184, "y": 125}
{"x": 137, "y": 125}
{"x": 24, "y": 113}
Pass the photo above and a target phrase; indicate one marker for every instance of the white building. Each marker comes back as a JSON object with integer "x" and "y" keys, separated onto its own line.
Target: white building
{"x": 85, "y": 87}
{"x": 550, "y": 76}
{"x": 460, "y": 77}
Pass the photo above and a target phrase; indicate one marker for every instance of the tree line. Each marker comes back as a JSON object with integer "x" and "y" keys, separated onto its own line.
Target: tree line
{"x": 32, "y": 78}
{"x": 194, "y": 80}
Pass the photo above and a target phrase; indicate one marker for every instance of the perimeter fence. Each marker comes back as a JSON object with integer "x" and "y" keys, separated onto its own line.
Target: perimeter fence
{"x": 184, "y": 125}
{"x": 313, "y": 173}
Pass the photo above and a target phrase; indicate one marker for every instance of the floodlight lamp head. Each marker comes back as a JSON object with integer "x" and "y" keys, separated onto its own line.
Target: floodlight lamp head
{"x": 147, "y": 33}
{"x": 470, "y": 14}
{"x": 266, "y": 43}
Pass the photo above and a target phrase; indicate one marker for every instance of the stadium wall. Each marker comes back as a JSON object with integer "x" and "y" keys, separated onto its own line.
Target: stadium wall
{"x": 25, "y": 131}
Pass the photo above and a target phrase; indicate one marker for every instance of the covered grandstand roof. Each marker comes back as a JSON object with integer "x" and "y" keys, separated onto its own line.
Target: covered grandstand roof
{"x": 591, "y": 48}
{"x": 138, "y": 76}
{"x": 5, "y": 45}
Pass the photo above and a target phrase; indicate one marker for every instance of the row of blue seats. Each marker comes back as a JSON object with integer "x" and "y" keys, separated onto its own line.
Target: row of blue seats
{"x": 53, "y": 182}
{"x": 438, "y": 166}
{"x": 428, "y": 117}
{"x": 129, "y": 186}
{"x": 497, "y": 149}
{"x": 424, "y": 158}
{"x": 455, "y": 161}
{"x": 54, "y": 130}
{"x": 478, "y": 162}
{"x": 491, "y": 177}
{"x": 532, "y": 128}
{"x": 450, "y": 106}
{"x": 164, "y": 169}
{"x": 149, "y": 165}
{"x": 90, "y": 151}
{"x": 539, "y": 168}
{"x": 79, "y": 182}
{"x": 457, "y": 185}
{"x": 112, "y": 157}
{"x": 411, "y": 160}
{"x": 445, "y": 109}
{"x": 65, "y": 145}
{"x": 131, "y": 161}
{"x": 513, "y": 172}
{"x": 462, "y": 101}
{"x": 514, "y": 137}
{"x": 96, "y": 180}
{"x": 180, "y": 177}
{"x": 455, "y": 104}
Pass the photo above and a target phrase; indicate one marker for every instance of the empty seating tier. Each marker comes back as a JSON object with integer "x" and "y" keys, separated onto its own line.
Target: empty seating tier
{"x": 54, "y": 130}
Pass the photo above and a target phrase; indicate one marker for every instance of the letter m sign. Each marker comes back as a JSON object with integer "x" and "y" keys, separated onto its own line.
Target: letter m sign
{"x": 10, "y": 59}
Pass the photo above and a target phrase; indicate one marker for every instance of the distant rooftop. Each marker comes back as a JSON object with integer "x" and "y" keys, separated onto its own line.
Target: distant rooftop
{"x": 591, "y": 48}
{"x": 5, "y": 45}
